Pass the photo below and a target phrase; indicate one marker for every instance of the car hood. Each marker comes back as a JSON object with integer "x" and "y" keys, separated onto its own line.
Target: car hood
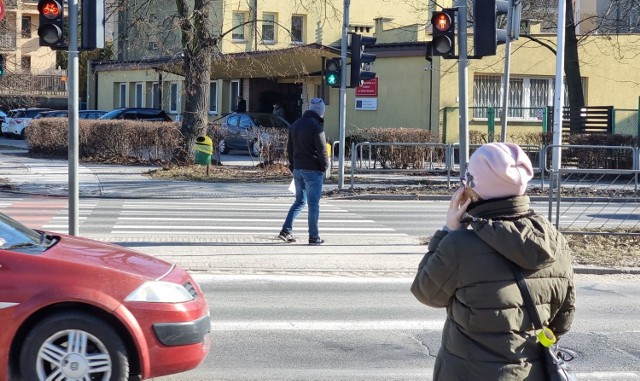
{"x": 85, "y": 252}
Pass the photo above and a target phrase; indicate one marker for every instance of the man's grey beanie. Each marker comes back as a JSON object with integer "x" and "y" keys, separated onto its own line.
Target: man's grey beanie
{"x": 317, "y": 105}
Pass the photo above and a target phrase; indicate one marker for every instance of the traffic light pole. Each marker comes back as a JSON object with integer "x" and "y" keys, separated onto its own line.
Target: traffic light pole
{"x": 73, "y": 102}
{"x": 463, "y": 74}
{"x": 343, "y": 95}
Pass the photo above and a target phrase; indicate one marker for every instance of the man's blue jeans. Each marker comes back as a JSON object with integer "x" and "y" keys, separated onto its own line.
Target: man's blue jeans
{"x": 308, "y": 190}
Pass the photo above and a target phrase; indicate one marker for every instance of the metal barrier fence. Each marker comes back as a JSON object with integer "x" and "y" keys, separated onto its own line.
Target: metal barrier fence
{"x": 602, "y": 199}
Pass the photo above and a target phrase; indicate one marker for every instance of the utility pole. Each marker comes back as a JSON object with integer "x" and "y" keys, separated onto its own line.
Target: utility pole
{"x": 463, "y": 74}
{"x": 73, "y": 101}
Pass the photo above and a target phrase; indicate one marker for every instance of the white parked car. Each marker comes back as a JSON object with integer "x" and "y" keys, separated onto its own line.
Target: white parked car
{"x": 18, "y": 119}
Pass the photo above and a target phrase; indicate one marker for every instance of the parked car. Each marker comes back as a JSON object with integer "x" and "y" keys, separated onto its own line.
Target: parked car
{"x": 2, "y": 116}
{"x": 18, "y": 119}
{"x": 82, "y": 114}
{"x": 239, "y": 132}
{"x": 150, "y": 114}
{"x": 76, "y": 309}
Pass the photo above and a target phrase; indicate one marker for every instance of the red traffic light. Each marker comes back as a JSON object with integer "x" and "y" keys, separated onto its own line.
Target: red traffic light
{"x": 441, "y": 21}
{"x": 50, "y": 9}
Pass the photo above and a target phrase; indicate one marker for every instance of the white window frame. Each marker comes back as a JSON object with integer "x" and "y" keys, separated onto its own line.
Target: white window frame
{"x": 239, "y": 25}
{"x": 523, "y": 112}
{"x": 234, "y": 92}
{"x": 214, "y": 89}
{"x": 269, "y": 19}
{"x": 123, "y": 95}
{"x": 174, "y": 97}
{"x": 138, "y": 94}
{"x": 302, "y": 29}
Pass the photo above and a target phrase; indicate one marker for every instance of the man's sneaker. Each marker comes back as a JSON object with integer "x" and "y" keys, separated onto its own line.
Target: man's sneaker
{"x": 315, "y": 241}
{"x": 287, "y": 237}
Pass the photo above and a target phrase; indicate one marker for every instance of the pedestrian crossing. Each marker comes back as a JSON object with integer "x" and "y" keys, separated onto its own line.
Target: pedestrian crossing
{"x": 250, "y": 217}
{"x": 190, "y": 217}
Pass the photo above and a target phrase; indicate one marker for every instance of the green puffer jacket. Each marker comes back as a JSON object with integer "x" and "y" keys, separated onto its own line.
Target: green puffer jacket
{"x": 488, "y": 335}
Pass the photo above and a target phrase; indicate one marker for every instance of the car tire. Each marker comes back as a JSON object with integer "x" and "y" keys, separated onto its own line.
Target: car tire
{"x": 222, "y": 146}
{"x": 49, "y": 349}
{"x": 254, "y": 149}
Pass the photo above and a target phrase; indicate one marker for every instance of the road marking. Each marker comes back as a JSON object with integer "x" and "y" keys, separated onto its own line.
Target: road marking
{"x": 202, "y": 219}
{"x": 254, "y": 228}
{"x": 322, "y": 325}
{"x": 202, "y": 278}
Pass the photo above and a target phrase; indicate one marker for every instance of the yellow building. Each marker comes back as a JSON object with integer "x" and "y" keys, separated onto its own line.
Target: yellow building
{"x": 271, "y": 51}
{"x": 30, "y": 73}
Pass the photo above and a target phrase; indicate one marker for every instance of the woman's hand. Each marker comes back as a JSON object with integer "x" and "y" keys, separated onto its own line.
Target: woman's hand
{"x": 457, "y": 208}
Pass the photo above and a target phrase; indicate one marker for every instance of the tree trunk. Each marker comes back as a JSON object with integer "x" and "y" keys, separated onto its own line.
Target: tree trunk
{"x": 572, "y": 71}
{"x": 197, "y": 50}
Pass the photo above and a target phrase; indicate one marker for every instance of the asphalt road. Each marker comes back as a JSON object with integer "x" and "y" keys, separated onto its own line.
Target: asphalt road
{"x": 338, "y": 328}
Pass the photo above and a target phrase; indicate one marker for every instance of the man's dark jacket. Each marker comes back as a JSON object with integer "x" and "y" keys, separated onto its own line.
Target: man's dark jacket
{"x": 307, "y": 145}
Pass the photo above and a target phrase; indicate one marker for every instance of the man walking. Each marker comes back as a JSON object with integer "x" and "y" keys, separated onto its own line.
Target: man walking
{"x": 308, "y": 160}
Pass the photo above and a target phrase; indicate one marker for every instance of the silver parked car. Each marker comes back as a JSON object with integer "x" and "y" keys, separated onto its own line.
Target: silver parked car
{"x": 239, "y": 130}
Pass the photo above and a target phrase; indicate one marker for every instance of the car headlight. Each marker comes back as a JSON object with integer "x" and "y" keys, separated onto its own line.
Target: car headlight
{"x": 160, "y": 292}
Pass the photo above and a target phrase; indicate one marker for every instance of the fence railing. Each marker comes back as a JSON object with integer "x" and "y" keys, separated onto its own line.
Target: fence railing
{"x": 604, "y": 199}
{"x": 522, "y": 121}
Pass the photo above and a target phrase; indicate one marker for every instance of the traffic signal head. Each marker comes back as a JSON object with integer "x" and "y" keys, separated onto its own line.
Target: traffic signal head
{"x": 51, "y": 27}
{"x": 486, "y": 34}
{"x": 92, "y": 24}
{"x": 360, "y": 60}
{"x": 444, "y": 33}
{"x": 1, "y": 65}
{"x": 332, "y": 72}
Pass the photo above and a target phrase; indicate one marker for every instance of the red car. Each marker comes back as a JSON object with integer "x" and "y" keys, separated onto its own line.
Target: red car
{"x": 76, "y": 309}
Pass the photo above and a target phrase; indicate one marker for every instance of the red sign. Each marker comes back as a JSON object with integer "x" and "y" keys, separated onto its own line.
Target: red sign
{"x": 369, "y": 88}
{"x": 1, "y": 9}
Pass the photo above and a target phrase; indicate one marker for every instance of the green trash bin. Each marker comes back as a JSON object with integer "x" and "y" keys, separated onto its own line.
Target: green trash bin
{"x": 204, "y": 149}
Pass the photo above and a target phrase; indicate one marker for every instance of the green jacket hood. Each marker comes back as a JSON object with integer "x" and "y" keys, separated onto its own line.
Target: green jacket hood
{"x": 511, "y": 228}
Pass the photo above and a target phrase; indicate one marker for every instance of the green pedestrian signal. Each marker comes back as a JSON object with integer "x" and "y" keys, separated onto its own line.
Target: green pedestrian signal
{"x": 332, "y": 72}
{"x": 1, "y": 65}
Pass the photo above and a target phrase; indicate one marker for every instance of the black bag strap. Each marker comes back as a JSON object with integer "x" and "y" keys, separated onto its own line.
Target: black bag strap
{"x": 526, "y": 296}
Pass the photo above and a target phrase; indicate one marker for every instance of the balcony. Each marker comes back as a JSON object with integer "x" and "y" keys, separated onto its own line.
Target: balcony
{"x": 24, "y": 85}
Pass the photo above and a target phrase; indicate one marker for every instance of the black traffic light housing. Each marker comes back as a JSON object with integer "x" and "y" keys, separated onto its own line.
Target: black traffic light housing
{"x": 486, "y": 34}
{"x": 1, "y": 65}
{"x": 359, "y": 58}
{"x": 51, "y": 27}
{"x": 332, "y": 72}
{"x": 443, "y": 43}
{"x": 92, "y": 24}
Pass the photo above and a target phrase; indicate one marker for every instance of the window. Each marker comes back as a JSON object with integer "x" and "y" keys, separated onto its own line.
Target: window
{"x": 239, "y": 25}
{"x": 174, "y": 97}
{"x": 155, "y": 95}
{"x": 527, "y": 96}
{"x": 122, "y": 95}
{"x": 25, "y": 64}
{"x": 213, "y": 97}
{"x": 297, "y": 28}
{"x": 268, "y": 28}
{"x": 139, "y": 95}
{"x": 26, "y": 26}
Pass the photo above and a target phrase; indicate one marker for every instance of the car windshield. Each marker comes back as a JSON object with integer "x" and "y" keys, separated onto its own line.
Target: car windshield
{"x": 15, "y": 236}
{"x": 111, "y": 114}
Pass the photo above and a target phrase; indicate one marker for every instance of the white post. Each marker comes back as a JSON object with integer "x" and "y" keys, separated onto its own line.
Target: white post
{"x": 343, "y": 94}
{"x": 73, "y": 101}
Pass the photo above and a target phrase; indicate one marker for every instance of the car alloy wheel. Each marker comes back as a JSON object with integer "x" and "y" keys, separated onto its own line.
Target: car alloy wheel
{"x": 73, "y": 346}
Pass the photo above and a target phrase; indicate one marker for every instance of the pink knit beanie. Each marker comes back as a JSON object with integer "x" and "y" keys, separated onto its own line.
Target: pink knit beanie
{"x": 499, "y": 170}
